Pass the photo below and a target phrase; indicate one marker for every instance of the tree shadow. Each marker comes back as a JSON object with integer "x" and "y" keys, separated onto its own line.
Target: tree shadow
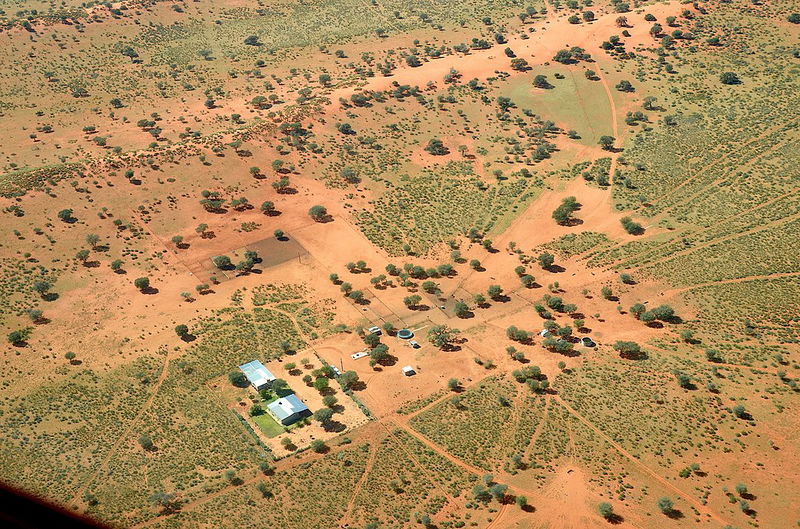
{"x": 675, "y": 514}
{"x": 149, "y": 291}
{"x": 334, "y": 426}
{"x": 501, "y": 299}
{"x": 188, "y": 338}
{"x": 615, "y": 519}
{"x": 50, "y": 296}
{"x": 555, "y": 269}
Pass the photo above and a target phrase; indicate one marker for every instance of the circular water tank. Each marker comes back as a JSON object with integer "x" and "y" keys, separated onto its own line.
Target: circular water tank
{"x": 405, "y": 334}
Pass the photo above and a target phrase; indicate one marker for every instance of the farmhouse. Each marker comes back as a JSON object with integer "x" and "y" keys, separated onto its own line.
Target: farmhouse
{"x": 288, "y": 409}
{"x": 259, "y": 376}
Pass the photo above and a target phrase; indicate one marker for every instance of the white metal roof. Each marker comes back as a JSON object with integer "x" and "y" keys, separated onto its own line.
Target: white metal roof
{"x": 256, "y": 373}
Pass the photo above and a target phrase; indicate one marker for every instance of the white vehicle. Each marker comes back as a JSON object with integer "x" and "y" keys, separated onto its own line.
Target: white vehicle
{"x": 360, "y": 354}
{"x": 375, "y": 330}
{"x": 336, "y": 370}
{"x": 414, "y": 344}
{"x": 409, "y": 371}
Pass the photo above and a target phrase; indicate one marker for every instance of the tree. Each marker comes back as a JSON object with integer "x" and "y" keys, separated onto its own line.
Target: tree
{"x": 606, "y": 142}
{"x": 729, "y": 78}
{"x": 329, "y": 401}
{"x": 348, "y": 379}
{"x": 263, "y": 488}
{"x": 441, "y": 335}
{"x": 521, "y": 501}
{"x": 19, "y": 337}
{"x": 318, "y": 213}
{"x": 238, "y": 379}
{"x": 665, "y": 505}
{"x": 66, "y": 215}
{"x": 82, "y": 256}
{"x": 222, "y": 262}
{"x": 606, "y": 510}
{"x": 624, "y": 86}
{"x": 252, "y": 40}
{"x": 436, "y": 147}
{"x": 167, "y": 501}
{"x": 498, "y": 491}
{"x": 92, "y": 239}
{"x": 663, "y": 312}
{"x": 182, "y": 330}
{"x": 481, "y": 493}
{"x": 684, "y": 380}
{"x": 280, "y": 386}
{"x": 632, "y": 227}
{"x": 321, "y": 384}
{"x": 546, "y": 260}
{"x": 430, "y": 287}
{"x": 41, "y": 287}
{"x": 36, "y": 315}
{"x": 520, "y": 65}
{"x": 146, "y": 442}
{"x": 461, "y": 309}
{"x": 116, "y": 265}
{"x": 494, "y": 291}
{"x": 413, "y": 61}
{"x": 628, "y": 349}
{"x": 637, "y": 310}
{"x": 379, "y": 353}
{"x": 142, "y": 283}
{"x": 563, "y": 56}
{"x": 324, "y": 416}
{"x": 412, "y": 301}
{"x": 740, "y": 411}
{"x": 453, "y": 384}
{"x": 794, "y": 18}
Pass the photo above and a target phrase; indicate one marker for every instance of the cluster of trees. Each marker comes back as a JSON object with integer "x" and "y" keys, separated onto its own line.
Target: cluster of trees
{"x": 558, "y": 345}
{"x": 571, "y": 55}
{"x": 518, "y": 335}
{"x": 662, "y": 313}
{"x": 533, "y": 377}
{"x": 442, "y": 336}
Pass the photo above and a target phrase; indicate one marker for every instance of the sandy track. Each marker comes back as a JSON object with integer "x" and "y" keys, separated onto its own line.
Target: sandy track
{"x": 74, "y": 499}
{"x": 373, "y": 452}
{"x": 717, "y": 161}
{"x": 687, "y": 497}
{"x": 729, "y": 281}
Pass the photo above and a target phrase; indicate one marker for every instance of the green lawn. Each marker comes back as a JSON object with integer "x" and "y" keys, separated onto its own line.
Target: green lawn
{"x": 573, "y": 102}
{"x": 268, "y": 425}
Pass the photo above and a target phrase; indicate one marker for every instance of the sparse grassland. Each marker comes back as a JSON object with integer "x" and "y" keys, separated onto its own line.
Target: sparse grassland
{"x": 314, "y": 143}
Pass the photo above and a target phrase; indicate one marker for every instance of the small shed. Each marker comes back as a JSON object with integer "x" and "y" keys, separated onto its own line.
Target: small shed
{"x": 409, "y": 371}
{"x": 259, "y": 376}
{"x": 288, "y": 409}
